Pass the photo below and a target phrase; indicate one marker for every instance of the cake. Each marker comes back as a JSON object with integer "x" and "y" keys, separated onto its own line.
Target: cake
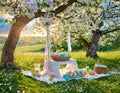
{"x": 99, "y": 69}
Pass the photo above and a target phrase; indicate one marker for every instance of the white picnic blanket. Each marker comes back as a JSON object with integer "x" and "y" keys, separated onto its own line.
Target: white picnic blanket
{"x": 46, "y": 77}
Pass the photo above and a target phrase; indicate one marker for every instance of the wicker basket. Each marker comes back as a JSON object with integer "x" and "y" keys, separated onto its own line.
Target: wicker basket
{"x": 100, "y": 70}
{"x": 58, "y": 58}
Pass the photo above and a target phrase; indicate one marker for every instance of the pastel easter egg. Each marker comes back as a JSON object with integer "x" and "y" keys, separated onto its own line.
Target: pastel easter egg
{"x": 67, "y": 73}
{"x": 87, "y": 68}
{"x": 66, "y": 77}
{"x": 67, "y": 55}
{"x": 33, "y": 74}
{"x": 38, "y": 75}
{"x": 75, "y": 73}
{"x": 79, "y": 74}
{"x": 90, "y": 73}
{"x": 93, "y": 73}
{"x": 83, "y": 74}
{"x": 62, "y": 55}
{"x": 52, "y": 75}
{"x": 50, "y": 79}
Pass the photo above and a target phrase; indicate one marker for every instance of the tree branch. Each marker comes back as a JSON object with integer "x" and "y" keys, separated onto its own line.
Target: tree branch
{"x": 81, "y": 39}
{"x": 66, "y": 18}
{"x": 64, "y": 6}
{"x": 39, "y": 13}
{"x": 58, "y": 10}
{"x": 106, "y": 31}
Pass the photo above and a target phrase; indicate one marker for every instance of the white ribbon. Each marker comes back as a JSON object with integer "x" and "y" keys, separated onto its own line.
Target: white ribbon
{"x": 69, "y": 42}
{"x": 47, "y": 52}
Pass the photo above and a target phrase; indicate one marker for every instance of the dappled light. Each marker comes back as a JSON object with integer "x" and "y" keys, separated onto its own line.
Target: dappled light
{"x": 59, "y": 46}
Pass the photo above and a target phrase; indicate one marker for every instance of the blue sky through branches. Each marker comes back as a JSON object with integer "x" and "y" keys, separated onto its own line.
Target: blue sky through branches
{"x": 5, "y": 28}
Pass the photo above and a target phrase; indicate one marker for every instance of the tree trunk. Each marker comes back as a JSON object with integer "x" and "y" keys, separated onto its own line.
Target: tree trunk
{"x": 92, "y": 49}
{"x": 10, "y": 44}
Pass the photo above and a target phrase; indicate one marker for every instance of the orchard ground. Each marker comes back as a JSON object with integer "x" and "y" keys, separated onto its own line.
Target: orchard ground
{"x": 12, "y": 81}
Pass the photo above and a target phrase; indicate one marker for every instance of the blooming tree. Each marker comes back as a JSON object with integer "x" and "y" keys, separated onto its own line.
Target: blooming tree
{"x": 23, "y": 11}
{"x": 93, "y": 21}
{"x": 106, "y": 21}
{"x": 90, "y": 23}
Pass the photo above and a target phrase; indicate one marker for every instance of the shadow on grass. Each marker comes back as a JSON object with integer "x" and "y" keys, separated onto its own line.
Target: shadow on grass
{"x": 111, "y": 63}
{"x": 102, "y": 85}
{"x": 40, "y": 50}
{"x": 12, "y": 81}
{"x": 9, "y": 80}
{"x": 86, "y": 62}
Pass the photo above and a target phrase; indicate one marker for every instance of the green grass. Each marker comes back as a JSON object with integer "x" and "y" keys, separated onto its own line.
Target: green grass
{"x": 31, "y": 48}
{"x": 12, "y": 81}
{"x": 1, "y": 46}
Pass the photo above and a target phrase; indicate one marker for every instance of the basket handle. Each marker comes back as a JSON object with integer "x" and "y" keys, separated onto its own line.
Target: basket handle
{"x": 103, "y": 62}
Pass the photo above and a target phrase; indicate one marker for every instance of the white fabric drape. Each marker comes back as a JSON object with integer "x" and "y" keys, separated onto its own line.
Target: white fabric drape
{"x": 69, "y": 42}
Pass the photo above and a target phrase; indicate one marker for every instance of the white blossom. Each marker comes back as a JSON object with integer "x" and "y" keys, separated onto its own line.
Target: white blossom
{"x": 49, "y": 2}
{"x": 47, "y": 21}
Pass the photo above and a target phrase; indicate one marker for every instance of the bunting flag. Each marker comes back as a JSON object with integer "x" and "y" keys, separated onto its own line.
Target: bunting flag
{"x": 69, "y": 42}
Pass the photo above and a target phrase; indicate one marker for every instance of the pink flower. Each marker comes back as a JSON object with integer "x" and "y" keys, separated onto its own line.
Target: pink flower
{"x": 52, "y": 38}
{"x": 38, "y": 75}
{"x": 52, "y": 75}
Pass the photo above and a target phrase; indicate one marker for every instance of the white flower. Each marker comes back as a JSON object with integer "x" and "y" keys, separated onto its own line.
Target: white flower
{"x": 18, "y": 91}
{"x": 47, "y": 21}
{"x": 1, "y": 84}
{"x": 32, "y": 4}
{"x": 3, "y": 2}
{"x": 49, "y": 2}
